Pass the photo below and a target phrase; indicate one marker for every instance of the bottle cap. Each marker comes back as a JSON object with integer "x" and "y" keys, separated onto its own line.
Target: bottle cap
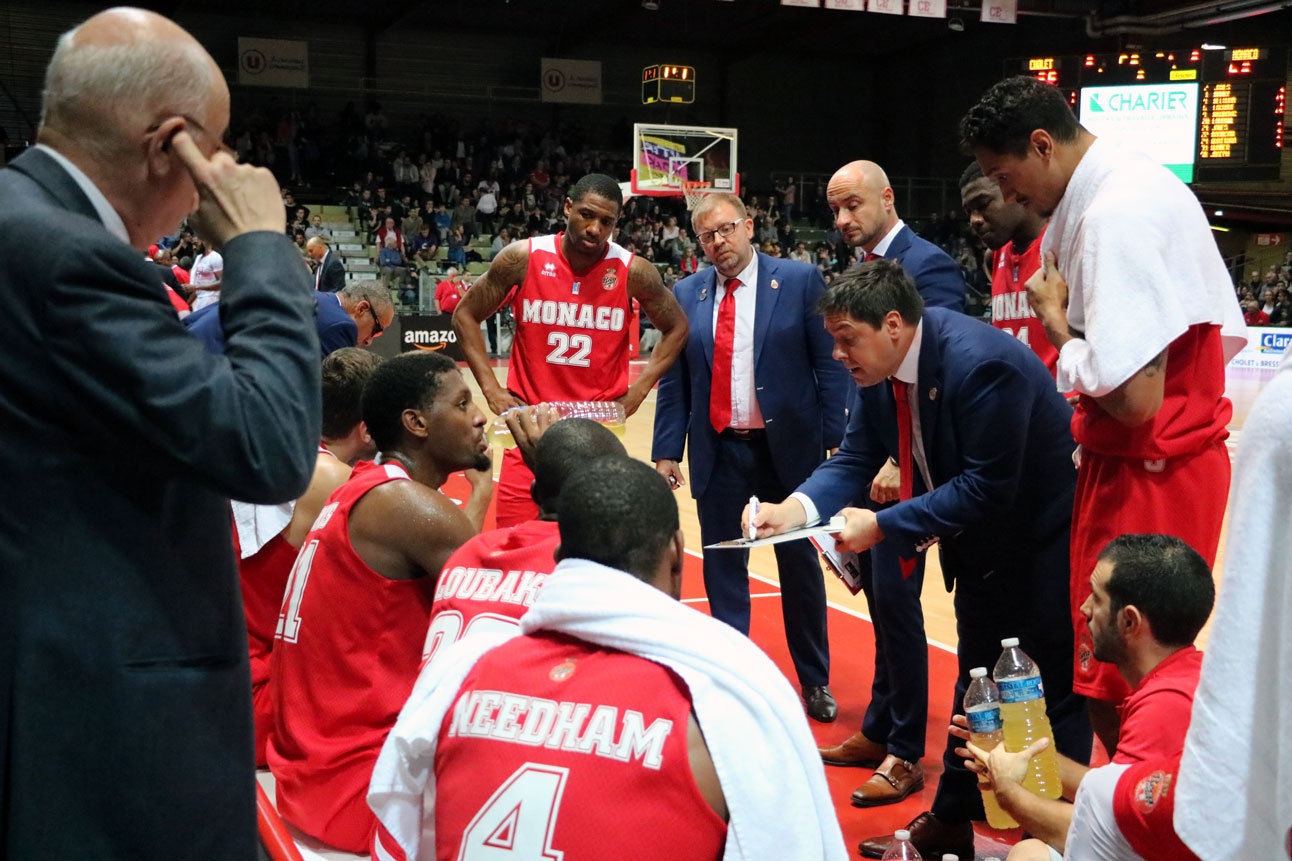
{"x": 901, "y": 834}
{"x": 977, "y": 672}
{"x": 1009, "y": 643}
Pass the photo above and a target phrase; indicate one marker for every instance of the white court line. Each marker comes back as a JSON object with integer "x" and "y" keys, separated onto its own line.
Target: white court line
{"x": 831, "y": 604}
{"x": 751, "y": 595}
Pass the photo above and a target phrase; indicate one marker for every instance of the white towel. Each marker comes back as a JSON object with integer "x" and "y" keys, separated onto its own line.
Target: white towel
{"x": 758, "y": 736}
{"x": 1141, "y": 266}
{"x": 258, "y": 524}
{"x": 1234, "y": 799}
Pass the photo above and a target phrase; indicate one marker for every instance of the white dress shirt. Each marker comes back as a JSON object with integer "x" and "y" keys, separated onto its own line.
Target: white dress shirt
{"x": 745, "y": 413}
{"x": 881, "y": 247}
{"x": 111, "y": 220}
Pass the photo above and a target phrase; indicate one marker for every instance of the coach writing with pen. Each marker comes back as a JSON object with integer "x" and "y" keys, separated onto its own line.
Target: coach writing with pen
{"x": 972, "y": 417}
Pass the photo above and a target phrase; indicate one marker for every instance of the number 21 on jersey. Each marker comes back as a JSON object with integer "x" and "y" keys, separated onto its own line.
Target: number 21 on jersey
{"x": 289, "y": 617}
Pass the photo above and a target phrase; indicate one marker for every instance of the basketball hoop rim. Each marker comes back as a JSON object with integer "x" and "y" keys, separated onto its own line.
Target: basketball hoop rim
{"x": 693, "y": 191}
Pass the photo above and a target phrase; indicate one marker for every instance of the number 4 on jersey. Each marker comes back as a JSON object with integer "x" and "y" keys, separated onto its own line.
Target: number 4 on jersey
{"x": 518, "y": 819}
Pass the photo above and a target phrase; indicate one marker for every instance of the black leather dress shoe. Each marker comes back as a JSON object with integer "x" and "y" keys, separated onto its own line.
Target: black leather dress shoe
{"x": 820, "y": 703}
{"x": 931, "y": 836}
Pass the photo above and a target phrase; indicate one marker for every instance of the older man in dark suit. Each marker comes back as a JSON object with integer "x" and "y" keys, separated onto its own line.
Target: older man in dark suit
{"x": 329, "y": 271}
{"x": 125, "y": 698}
{"x": 758, "y": 401}
{"x": 973, "y": 419}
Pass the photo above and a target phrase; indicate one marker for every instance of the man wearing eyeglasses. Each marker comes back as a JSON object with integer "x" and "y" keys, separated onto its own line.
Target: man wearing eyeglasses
{"x": 125, "y": 687}
{"x": 355, "y": 317}
{"x": 759, "y": 400}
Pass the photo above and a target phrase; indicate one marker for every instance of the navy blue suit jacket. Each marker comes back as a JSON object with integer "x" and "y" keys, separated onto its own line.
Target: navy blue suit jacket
{"x": 800, "y": 389}
{"x": 936, "y": 275}
{"x": 996, "y": 435}
{"x": 336, "y": 328}
{"x": 332, "y": 277}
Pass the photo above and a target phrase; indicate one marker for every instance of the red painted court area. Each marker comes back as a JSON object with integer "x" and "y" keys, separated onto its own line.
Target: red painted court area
{"x": 852, "y": 650}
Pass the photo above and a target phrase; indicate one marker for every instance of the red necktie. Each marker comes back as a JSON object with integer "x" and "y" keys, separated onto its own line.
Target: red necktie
{"x": 724, "y": 339}
{"x": 905, "y": 487}
{"x": 903, "y": 439}
{"x": 870, "y": 255}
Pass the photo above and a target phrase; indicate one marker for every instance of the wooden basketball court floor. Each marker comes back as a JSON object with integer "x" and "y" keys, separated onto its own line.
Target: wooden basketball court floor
{"x": 852, "y": 640}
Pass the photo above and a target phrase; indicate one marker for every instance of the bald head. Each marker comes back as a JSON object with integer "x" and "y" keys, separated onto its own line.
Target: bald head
{"x": 861, "y": 172}
{"x": 122, "y": 70}
{"x": 862, "y": 202}
{"x": 117, "y": 90}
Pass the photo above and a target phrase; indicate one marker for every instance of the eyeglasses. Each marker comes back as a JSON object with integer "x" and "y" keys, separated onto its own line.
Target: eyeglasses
{"x": 707, "y": 237}
{"x": 377, "y": 328}
{"x": 220, "y": 145}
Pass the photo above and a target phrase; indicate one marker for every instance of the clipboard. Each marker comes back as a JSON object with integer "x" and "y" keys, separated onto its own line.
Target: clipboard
{"x": 844, "y": 564}
{"x": 834, "y": 527}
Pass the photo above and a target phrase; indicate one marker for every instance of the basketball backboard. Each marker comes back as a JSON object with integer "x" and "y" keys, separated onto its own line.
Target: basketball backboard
{"x": 665, "y": 157}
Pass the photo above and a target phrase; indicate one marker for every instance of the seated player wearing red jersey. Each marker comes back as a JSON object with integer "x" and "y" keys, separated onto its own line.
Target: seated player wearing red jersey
{"x": 263, "y": 567}
{"x": 604, "y": 727}
{"x": 570, "y": 294}
{"x": 489, "y": 582}
{"x": 347, "y": 646}
{"x": 1150, "y": 595}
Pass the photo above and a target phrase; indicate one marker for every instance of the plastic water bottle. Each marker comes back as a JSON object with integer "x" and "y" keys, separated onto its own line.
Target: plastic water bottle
{"x": 608, "y": 413}
{"x": 902, "y": 849}
{"x": 1023, "y": 710}
{"x": 982, "y": 708}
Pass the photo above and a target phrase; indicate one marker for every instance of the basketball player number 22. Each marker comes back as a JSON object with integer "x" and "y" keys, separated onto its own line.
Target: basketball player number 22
{"x": 518, "y": 819}
{"x": 562, "y": 344}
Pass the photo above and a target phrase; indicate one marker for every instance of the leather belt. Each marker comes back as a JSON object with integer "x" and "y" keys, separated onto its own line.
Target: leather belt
{"x": 744, "y": 434}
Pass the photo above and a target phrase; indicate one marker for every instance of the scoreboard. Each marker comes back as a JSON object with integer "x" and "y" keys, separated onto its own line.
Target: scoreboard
{"x": 1241, "y": 114}
{"x": 668, "y": 83}
{"x": 1241, "y": 99}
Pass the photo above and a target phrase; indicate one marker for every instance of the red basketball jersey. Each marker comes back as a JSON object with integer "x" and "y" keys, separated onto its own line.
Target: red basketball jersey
{"x": 1195, "y": 412}
{"x": 571, "y": 341}
{"x": 1010, "y": 310}
{"x": 263, "y": 576}
{"x": 345, "y": 659}
{"x": 554, "y": 746}
{"x": 489, "y": 582}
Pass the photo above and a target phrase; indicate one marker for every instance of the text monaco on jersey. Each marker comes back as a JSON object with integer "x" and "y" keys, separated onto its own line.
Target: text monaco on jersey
{"x": 572, "y": 314}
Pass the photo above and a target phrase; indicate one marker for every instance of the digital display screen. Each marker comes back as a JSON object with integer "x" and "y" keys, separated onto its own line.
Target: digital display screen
{"x": 1160, "y": 120}
{"x": 1238, "y": 105}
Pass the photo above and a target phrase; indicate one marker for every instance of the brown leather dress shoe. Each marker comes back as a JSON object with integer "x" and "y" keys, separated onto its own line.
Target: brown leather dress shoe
{"x": 892, "y": 781}
{"x": 857, "y": 750}
{"x": 931, "y": 836}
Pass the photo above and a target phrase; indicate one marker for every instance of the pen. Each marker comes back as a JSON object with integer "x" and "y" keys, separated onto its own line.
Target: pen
{"x": 753, "y": 512}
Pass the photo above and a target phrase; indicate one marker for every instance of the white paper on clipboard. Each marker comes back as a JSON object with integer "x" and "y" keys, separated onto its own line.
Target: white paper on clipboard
{"x": 844, "y": 564}
{"x": 834, "y": 527}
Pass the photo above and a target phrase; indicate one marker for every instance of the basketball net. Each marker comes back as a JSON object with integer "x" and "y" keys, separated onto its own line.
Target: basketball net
{"x": 694, "y": 192}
